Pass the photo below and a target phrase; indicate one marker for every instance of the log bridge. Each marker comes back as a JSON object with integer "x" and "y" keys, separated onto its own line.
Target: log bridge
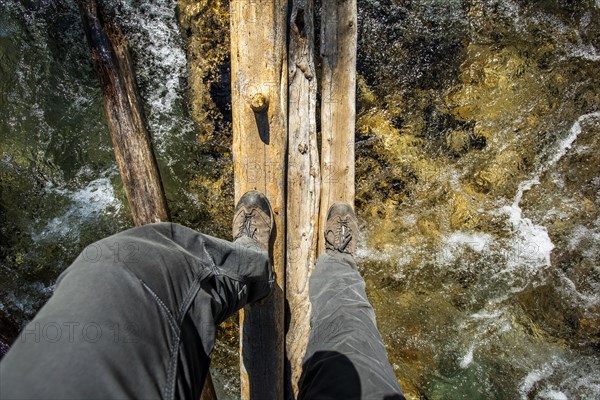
{"x": 275, "y": 150}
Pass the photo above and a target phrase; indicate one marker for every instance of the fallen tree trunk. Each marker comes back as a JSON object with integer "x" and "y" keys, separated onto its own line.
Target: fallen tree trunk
{"x": 338, "y": 105}
{"x": 126, "y": 122}
{"x": 131, "y": 141}
{"x": 259, "y": 111}
{"x": 303, "y": 184}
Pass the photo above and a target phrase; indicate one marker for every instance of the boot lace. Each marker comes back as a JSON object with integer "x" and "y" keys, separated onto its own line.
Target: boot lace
{"x": 341, "y": 237}
{"x": 247, "y": 227}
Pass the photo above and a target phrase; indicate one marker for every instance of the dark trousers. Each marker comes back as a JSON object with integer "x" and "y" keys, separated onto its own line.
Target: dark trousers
{"x": 135, "y": 316}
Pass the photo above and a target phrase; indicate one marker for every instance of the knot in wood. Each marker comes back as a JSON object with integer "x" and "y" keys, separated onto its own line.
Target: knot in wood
{"x": 259, "y": 103}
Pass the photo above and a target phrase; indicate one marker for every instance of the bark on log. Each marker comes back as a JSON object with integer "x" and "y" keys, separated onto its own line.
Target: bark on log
{"x": 303, "y": 185}
{"x": 127, "y": 126}
{"x": 259, "y": 108}
{"x": 338, "y": 106}
{"x": 126, "y": 123}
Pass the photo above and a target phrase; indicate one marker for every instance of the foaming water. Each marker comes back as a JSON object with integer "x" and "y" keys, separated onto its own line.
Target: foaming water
{"x": 454, "y": 245}
{"x": 94, "y": 199}
{"x": 485, "y": 280}
{"x": 160, "y": 65}
{"x": 532, "y": 236}
{"x": 57, "y": 170}
{"x": 562, "y": 378}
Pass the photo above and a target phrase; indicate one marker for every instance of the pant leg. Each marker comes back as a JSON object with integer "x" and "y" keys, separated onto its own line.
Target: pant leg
{"x": 345, "y": 357}
{"x": 135, "y": 316}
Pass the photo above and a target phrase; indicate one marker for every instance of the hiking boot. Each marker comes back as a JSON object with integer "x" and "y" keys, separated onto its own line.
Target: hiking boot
{"x": 253, "y": 218}
{"x": 341, "y": 229}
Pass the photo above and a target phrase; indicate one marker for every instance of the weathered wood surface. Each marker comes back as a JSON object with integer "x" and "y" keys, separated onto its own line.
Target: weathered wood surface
{"x": 131, "y": 141}
{"x": 303, "y": 184}
{"x": 126, "y": 123}
{"x": 259, "y": 82}
{"x": 338, "y": 105}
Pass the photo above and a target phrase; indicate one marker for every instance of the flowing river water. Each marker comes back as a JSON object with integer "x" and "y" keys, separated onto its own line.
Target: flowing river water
{"x": 478, "y": 175}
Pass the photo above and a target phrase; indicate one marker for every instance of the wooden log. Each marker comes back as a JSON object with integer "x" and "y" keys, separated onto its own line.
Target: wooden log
{"x": 126, "y": 122}
{"x": 259, "y": 111}
{"x": 303, "y": 185}
{"x": 338, "y": 105}
{"x": 127, "y": 125}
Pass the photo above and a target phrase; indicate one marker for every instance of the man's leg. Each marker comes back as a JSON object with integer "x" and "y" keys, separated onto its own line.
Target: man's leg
{"x": 135, "y": 315}
{"x": 345, "y": 357}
